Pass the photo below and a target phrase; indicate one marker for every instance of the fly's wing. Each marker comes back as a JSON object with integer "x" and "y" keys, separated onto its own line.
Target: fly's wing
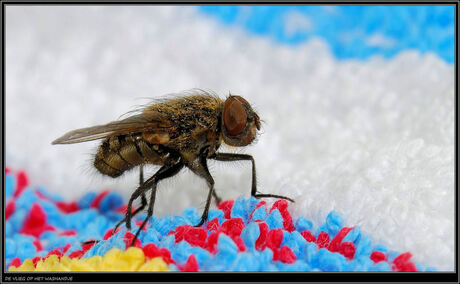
{"x": 148, "y": 121}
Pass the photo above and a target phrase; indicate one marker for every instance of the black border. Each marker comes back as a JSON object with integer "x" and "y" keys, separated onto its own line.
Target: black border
{"x": 434, "y": 277}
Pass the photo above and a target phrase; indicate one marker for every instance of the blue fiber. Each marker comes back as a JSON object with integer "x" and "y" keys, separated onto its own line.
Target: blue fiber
{"x": 10, "y": 185}
{"x": 297, "y": 244}
{"x": 215, "y": 213}
{"x": 227, "y": 249}
{"x": 322, "y": 228}
{"x": 17, "y": 219}
{"x": 180, "y": 252}
{"x": 250, "y": 234}
{"x": 392, "y": 255}
{"x": 48, "y": 236}
{"x": 310, "y": 254}
{"x": 42, "y": 253}
{"x": 353, "y": 236}
{"x": 192, "y": 216}
{"x": 10, "y": 248}
{"x": 298, "y": 265}
{"x": 180, "y": 221}
{"x": 80, "y": 219}
{"x": 110, "y": 202}
{"x": 260, "y": 213}
{"x": 303, "y": 224}
{"x": 245, "y": 262}
{"x": 381, "y": 248}
{"x": 167, "y": 242}
{"x": 200, "y": 254}
{"x": 364, "y": 247}
{"x": 334, "y": 223}
{"x": 8, "y": 229}
{"x": 364, "y": 263}
{"x": 431, "y": 269}
{"x": 265, "y": 257}
{"x": 239, "y": 209}
{"x": 115, "y": 217}
{"x": 150, "y": 236}
{"x": 172, "y": 267}
{"x": 24, "y": 247}
{"x": 45, "y": 192}
{"x": 274, "y": 220}
{"x": 53, "y": 216}
{"x": 26, "y": 199}
{"x": 164, "y": 225}
{"x": 328, "y": 261}
{"x": 86, "y": 200}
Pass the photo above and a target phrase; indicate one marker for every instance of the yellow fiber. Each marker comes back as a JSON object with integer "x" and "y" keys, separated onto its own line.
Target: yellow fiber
{"x": 133, "y": 259}
{"x": 155, "y": 264}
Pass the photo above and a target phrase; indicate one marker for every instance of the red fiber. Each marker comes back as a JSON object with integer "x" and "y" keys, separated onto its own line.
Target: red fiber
{"x": 22, "y": 182}
{"x": 274, "y": 238}
{"x": 67, "y": 207}
{"x": 191, "y": 265}
{"x": 179, "y": 233}
{"x": 308, "y": 236}
{"x": 260, "y": 242}
{"x": 41, "y": 195}
{"x": 211, "y": 242}
{"x": 10, "y": 207}
{"x": 68, "y": 233}
{"x": 196, "y": 236}
{"x": 124, "y": 208}
{"x": 88, "y": 246}
{"x": 66, "y": 248}
{"x": 378, "y": 256}
{"x": 260, "y": 204}
{"x": 233, "y": 227}
{"x": 7, "y": 170}
{"x": 35, "y": 223}
{"x": 323, "y": 240}
{"x": 38, "y": 245}
{"x": 76, "y": 254}
{"x": 347, "y": 249}
{"x": 226, "y": 206}
{"x": 151, "y": 251}
{"x": 166, "y": 255}
{"x": 129, "y": 239}
{"x": 16, "y": 262}
{"x": 98, "y": 198}
{"x": 212, "y": 225}
{"x": 239, "y": 243}
{"x": 37, "y": 259}
{"x": 286, "y": 255}
{"x": 337, "y": 240}
{"x": 282, "y": 206}
{"x": 402, "y": 263}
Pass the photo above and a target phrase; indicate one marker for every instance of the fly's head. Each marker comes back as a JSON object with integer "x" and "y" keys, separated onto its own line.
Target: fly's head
{"x": 239, "y": 122}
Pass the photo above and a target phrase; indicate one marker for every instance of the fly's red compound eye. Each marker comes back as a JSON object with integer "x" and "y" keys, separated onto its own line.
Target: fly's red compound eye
{"x": 235, "y": 117}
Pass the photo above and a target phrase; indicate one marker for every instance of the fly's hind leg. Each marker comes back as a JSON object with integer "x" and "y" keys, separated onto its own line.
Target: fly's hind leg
{"x": 143, "y": 201}
{"x": 237, "y": 157}
{"x": 164, "y": 172}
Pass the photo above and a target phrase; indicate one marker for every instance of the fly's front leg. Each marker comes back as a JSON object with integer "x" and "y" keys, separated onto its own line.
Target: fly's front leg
{"x": 201, "y": 169}
{"x": 238, "y": 157}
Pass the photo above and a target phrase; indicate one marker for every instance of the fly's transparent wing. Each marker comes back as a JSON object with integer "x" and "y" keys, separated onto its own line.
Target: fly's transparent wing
{"x": 137, "y": 123}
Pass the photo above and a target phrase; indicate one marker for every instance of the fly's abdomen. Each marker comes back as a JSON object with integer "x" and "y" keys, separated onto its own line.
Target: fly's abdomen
{"x": 118, "y": 154}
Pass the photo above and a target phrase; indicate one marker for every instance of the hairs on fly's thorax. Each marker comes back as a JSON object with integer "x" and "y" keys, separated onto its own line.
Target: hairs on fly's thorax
{"x": 139, "y": 108}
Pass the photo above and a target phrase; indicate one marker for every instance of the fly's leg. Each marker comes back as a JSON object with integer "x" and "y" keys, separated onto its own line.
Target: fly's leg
{"x": 217, "y": 199}
{"x": 164, "y": 172}
{"x": 143, "y": 204}
{"x": 237, "y": 157}
{"x": 202, "y": 170}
